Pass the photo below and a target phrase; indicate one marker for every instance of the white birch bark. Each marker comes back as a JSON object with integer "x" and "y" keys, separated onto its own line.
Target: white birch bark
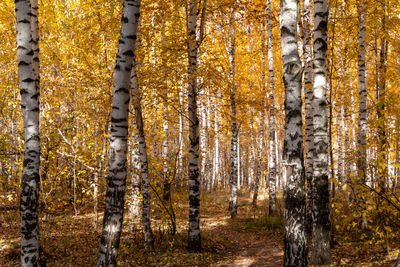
{"x": 321, "y": 208}
{"x": 251, "y": 85}
{"x": 295, "y": 243}
{"x": 362, "y": 109}
{"x": 272, "y": 121}
{"x": 116, "y": 180}
{"x": 233, "y": 200}
{"x": 134, "y": 203}
{"x": 180, "y": 155}
{"x": 203, "y": 139}
{"x": 252, "y": 150}
{"x": 194, "y": 241}
{"x": 28, "y": 76}
{"x": 262, "y": 120}
{"x": 308, "y": 95}
{"x": 216, "y": 170}
{"x": 141, "y": 141}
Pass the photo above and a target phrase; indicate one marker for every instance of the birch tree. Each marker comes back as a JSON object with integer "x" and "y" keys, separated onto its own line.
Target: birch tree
{"x": 116, "y": 180}
{"x": 262, "y": 118}
{"x": 308, "y": 93}
{"x": 28, "y": 75}
{"x": 362, "y": 108}
{"x": 139, "y": 138}
{"x": 194, "y": 240}
{"x": 233, "y": 199}
{"x": 272, "y": 122}
{"x": 321, "y": 208}
{"x": 295, "y": 243}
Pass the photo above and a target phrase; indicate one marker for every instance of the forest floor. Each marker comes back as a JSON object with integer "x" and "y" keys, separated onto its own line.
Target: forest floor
{"x": 251, "y": 239}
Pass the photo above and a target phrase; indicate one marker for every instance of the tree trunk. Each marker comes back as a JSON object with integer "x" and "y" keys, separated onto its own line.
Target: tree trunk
{"x": 272, "y": 122}
{"x": 216, "y": 170}
{"x": 134, "y": 203}
{"x": 308, "y": 84}
{"x": 141, "y": 140}
{"x": 295, "y": 243}
{"x": 194, "y": 241}
{"x": 233, "y": 200}
{"x": 321, "y": 208}
{"x": 29, "y": 80}
{"x": 203, "y": 140}
{"x": 262, "y": 119}
{"x": 339, "y": 120}
{"x": 362, "y": 110}
{"x": 252, "y": 151}
{"x": 381, "y": 102}
{"x": 116, "y": 180}
{"x": 165, "y": 143}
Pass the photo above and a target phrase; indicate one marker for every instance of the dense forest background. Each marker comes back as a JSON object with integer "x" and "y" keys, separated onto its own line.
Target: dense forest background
{"x": 237, "y": 98}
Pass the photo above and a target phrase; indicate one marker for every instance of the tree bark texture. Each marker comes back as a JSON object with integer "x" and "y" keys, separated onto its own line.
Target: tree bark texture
{"x": 272, "y": 122}
{"x": 362, "y": 108}
{"x": 321, "y": 208}
{"x": 116, "y": 180}
{"x": 28, "y": 75}
{"x": 262, "y": 119}
{"x": 233, "y": 200}
{"x": 194, "y": 241}
{"x": 295, "y": 243}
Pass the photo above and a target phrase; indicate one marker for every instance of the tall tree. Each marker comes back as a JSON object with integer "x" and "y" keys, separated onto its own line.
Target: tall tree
{"x": 381, "y": 101}
{"x": 272, "y": 122}
{"x": 194, "y": 240}
{"x": 116, "y": 180}
{"x": 28, "y": 75}
{"x": 165, "y": 142}
{"x": 233, "y": 200}
{"x": 308, "y": 86}
{"x": 362, "y": 108}
{"x": 295, "y": 243}
{"x": 262, "y": 117}
{"x": 140, "y": 139}
{"x": 321, "y": 208}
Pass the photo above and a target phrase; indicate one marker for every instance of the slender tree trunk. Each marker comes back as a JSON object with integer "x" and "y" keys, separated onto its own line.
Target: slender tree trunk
{"x": 134, "y": 203}
{"x": 203, "y": 139}
{"x": 116, "y": 180}
{"x": 339, "y": 121}
{"x": 233, "y": 200}
{"x": 194, "y": 241}
{"x": 180, "y": 155}
{"x": 262, "y": 119}
{"x": 362, "y": 111}
{"x": 381, "y": 101}
{"x": 347, "y": 148}
{"x": 321, "y": 208}
{"x": 272, "y": 122}
{"x": 29, "y": 80}
{"x": 362, "y": 108}
{"x": 141, "y": 141}
{"x": 209, "y": 149}
{"x": 295, "y": 243}
{"x": 308, "y": 85}
{"x": 216, "y": 170}
{"x": 252, "y": 150}
{"x": 165, "y": 143}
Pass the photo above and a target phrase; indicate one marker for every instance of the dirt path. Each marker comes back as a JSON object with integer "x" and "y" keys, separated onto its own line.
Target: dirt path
{"x": 259, "y": 254}
{"x": 250, "y": 241}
